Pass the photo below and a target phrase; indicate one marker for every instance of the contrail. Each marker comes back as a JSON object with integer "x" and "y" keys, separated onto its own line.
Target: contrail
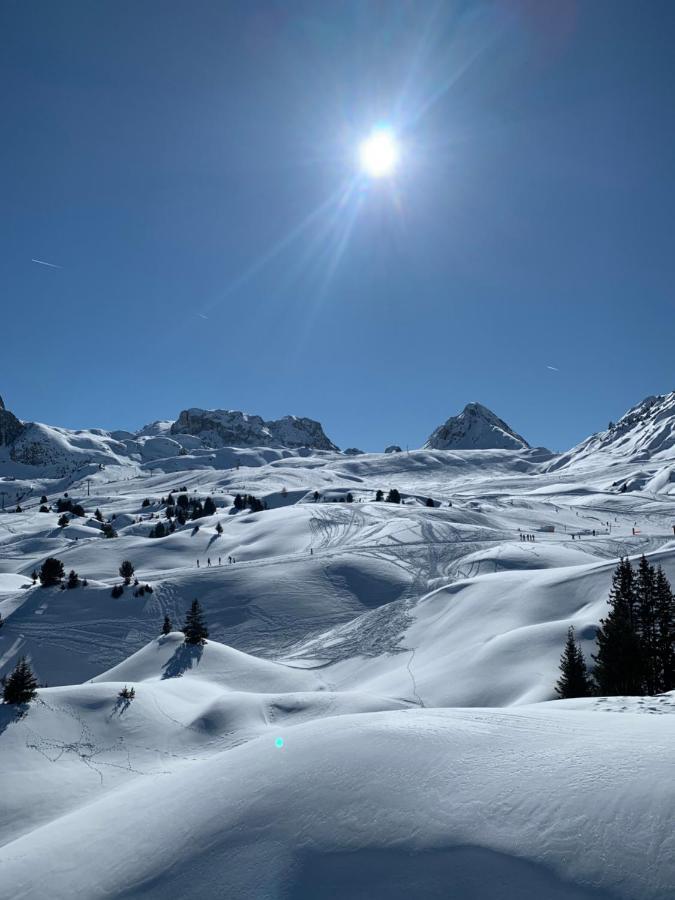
{"x": 41, "y": 262}
{"x": 202, "y": 316}
{"x": 553, "y": 368}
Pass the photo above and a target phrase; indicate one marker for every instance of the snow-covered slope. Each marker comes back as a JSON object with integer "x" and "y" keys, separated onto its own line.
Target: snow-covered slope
{"x": 475, "y": 428}
{"x": 371, "y": 716}
{"x": 645, "y": 432}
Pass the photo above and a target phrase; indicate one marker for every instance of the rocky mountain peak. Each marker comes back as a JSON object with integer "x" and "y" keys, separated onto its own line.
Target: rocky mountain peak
{"x": 475, "y": 428}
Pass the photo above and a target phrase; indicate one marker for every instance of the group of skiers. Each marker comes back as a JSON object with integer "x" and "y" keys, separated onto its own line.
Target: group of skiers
{"x": 230, "y": 560}
{"x": 527, "y": 537}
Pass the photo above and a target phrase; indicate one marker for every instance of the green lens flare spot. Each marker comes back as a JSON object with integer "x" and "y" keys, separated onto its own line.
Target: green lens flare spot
{"x": 279, "y": 743}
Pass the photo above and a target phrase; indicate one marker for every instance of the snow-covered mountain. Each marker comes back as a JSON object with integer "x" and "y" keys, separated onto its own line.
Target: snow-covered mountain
{"x": 227, "y": 427}
{"x": 362, "y": 656}
{"x": 645, "y": 432}
{"x": 475, "y": 428}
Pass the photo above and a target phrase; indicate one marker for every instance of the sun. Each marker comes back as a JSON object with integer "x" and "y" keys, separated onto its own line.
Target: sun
{"x": 379, "y": 153}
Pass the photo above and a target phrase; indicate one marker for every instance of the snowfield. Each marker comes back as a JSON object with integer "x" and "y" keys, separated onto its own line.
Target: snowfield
{"x": 373, "y": 715}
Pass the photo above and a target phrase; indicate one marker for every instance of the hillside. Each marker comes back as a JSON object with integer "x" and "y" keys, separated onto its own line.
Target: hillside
{"x": 404, "y": 654}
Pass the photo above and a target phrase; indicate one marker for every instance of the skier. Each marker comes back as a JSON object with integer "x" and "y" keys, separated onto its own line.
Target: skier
{"x": 197, "y": 563}
{"x": 218, "y": 560}
{"x": 208, "y": 561}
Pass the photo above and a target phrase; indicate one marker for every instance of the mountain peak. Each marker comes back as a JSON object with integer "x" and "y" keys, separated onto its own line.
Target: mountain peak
{"x": 229, "y": 427}
{"x": 646, "y": 431}
{"x": 475, "y": 428}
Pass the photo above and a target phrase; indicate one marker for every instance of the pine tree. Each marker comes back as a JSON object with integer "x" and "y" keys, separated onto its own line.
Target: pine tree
{"x": 429, "y": 502}
{"x": 51, "y": 572}
{"x": 98, "y": 515}
{"x": 63, "y": 521}
{"x": 645, "y": 592}
{"x": 34, "y": 575}
{"x": 239, "y": 502}
{"x": 21, "y": 686}
{"x": 73, "y": 580}
{"x": 117, "y": 591}
{"x": 618, "y": 662}
{"x": 665, "y": 624}
{"x": 574, "y": 680}
{"x": 167, "y": 626}
{"x": 379, "y": 496}
{"x": 209, "y": 507}
{"x": 126, "y": 571}
{"x": 393, "y": 496}
{"x": 219, "y": 528}
{"x": 108, "y": 530}
{"x": 194, "y": 628}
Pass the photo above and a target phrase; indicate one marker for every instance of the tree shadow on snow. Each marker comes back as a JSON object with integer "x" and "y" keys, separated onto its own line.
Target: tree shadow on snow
{"x": 11, "y": 713}
{"x": 462, "y": 873}
{"x": 185, "y": 657}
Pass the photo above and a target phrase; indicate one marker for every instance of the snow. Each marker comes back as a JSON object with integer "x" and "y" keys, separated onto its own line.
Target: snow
{"x": 404, "y": 655}
{"x": 475, "y": 428}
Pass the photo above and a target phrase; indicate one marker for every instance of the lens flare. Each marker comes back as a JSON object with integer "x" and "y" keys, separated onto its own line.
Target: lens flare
{"x": 379, "y": 153}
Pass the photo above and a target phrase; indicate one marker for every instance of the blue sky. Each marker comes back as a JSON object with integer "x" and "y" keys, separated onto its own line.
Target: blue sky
{"x": 188, "y": 160}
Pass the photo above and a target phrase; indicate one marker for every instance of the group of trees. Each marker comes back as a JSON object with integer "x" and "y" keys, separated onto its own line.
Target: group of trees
{"x": 635, "y": 642}
{"x": 392, "y": 497}
{"x": 194, "y": 627}
{"x": 248, "y": 501}
{"x": 20, "y": 687}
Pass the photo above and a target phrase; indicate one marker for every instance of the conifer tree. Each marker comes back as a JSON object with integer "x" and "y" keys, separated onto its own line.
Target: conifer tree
{"x": 63, "y": 521}
{"x": 665, "y": 640}
{"x": 379, "y": 496}
{"x": 209, "y": 507}
{"x": 574, "y": 680}
{"x": 167, "y": 625}
{"x": 98, "y": 515}
{"x": 51, "y": 572}
{"x": 21, "y": 686}
{"x": 646, "y": 624}
{"x": 194, "y": 628}
{"x": 219, "y": 528}
{"x": 73, "y": 580}
{"x": 618, "y": 662}
{"x": 126, "y": 571}
{"x": 393, "y": 496}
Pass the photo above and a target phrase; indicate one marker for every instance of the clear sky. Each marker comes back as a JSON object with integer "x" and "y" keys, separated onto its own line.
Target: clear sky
{"x": 192, "y": 168}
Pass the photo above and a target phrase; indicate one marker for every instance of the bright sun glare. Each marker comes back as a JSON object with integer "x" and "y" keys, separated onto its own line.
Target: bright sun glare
{"x": 379, "y": 154}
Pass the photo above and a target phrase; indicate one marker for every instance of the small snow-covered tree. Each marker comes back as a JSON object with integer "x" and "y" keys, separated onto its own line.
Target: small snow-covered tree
{"x": 126, "y": 571}
{"x": 194, "y": 628}
{"x": 73, "y": 580}
{"x": 21, "y": 686}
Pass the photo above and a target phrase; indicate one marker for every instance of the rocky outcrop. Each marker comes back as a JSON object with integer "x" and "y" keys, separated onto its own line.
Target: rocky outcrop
{"x": 231, "y": 428}
{"x": 11, "y": 428}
